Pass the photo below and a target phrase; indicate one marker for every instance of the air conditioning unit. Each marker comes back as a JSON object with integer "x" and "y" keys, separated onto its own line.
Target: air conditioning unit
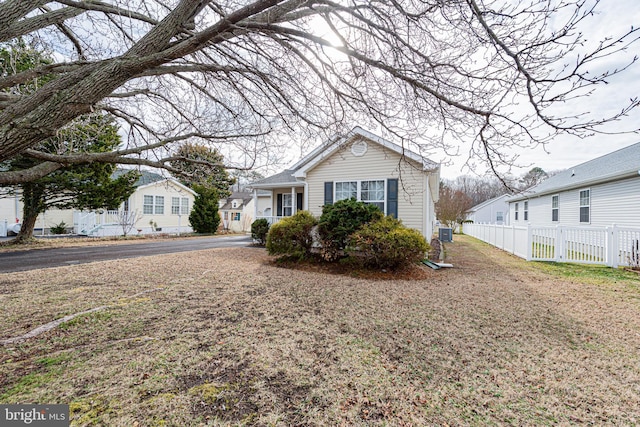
{"x": 445, "y": 234}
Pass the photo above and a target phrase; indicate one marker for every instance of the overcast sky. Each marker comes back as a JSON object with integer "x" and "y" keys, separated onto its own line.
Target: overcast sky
{"x": 616, "y": 16}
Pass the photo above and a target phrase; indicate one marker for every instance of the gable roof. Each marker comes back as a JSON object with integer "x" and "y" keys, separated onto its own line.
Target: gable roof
{"x": 620, "y": 164}
{"x": 296, "y": 173}
{"x": 488, "y": 202}
{"x": 145, "y": 178}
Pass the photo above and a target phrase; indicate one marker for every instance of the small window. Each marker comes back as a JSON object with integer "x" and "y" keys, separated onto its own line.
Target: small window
{"x": 585, "y": 205}
{"x": 499, "y": 216}
{"x": 159, "y": 205}
{"x": 555, "y": 207}
{"x": 516, "y": 211}
{"x": 236, "y": 216}
{"x": 147, "y": 207}
{"x": 125, "y": 205}
{"x": 526, "y": 211}
{"x": 175, "y": 206}
{"x": 226, "y": 215}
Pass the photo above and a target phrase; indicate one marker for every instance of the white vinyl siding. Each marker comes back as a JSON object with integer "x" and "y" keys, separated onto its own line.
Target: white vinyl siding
{"x": 377, "y": 164}
{"x": 610, "y": 203}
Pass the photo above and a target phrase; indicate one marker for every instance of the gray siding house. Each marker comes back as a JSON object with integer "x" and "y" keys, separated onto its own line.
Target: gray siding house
{"x": 360, "y": 165}
{"x": 601, "y": 192}
{"x": 492, "y": 211}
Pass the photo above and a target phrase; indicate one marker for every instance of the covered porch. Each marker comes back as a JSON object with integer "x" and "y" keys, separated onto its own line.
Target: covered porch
{"x": 278, "y": 197}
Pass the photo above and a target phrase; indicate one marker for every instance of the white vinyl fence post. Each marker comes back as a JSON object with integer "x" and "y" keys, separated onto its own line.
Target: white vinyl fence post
{"x": 613, "y": 243}
{"x": 529, "y": 242}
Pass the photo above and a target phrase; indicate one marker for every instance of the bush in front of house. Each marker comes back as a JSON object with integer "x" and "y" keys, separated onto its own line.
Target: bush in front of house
{"x": 341, "y": 219}
{"x": 291, "y": 236}
{"x": 386, "y": 243}
{"x": 259, "y": 231}
{"x": 204, "y": 217}
{"x": 59, "y": 228}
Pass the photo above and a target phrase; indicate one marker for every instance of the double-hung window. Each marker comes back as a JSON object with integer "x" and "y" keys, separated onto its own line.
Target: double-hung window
{"x": 370, "y": 192}
{"x": 499, "y": 216}
{"x": 147, "y": 206}
{"x": 526, "y": 211}
{"x": 153, "y": 205}
{"x": 179, "y": 205}
{"x": 516, "y": 211}
{"x": 555, "y": 208}
{"x": 287, "y": 205}
{"x": 346, "y": 190}
{"x": 585, "y": 205}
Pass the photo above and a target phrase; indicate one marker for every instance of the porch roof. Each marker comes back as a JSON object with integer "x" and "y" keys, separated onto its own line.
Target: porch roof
{"x": 282, "y": 179}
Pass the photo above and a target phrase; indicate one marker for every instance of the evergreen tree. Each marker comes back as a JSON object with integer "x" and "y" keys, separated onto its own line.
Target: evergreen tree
{"x": 79, "y": 186}
{"x": 202, "y": 166}
{"x": 204, "y": 217}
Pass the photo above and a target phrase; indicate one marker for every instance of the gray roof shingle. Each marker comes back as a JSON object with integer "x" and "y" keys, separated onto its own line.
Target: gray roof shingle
{"x": 609, "y": 167}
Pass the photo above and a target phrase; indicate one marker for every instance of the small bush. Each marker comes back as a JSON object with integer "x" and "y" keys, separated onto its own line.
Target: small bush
{"x": 291, "y": 236}
{"x": 386, "y": 244}
{"x": 259, "y": 231}
{"x": 339, "y": 221}
{"x": 59, "y": 228}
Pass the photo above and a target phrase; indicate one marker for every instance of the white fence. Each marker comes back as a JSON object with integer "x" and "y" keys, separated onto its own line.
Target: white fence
{"x": 613, "y": 246}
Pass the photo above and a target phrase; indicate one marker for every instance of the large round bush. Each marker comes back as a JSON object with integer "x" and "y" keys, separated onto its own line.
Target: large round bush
{"x": 339, "y": 221}
{"x": 386, "y": 244}
{"x": 292, "y": 235}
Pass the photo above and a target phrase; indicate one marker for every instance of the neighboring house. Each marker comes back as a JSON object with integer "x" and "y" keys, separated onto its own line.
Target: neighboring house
{"x": 602, "y": 192}
{"x": 236, "y": 212}
{"x": 492, "y": 211}
{"x": 158, "y": 204}
{"x": 360, "y": 165}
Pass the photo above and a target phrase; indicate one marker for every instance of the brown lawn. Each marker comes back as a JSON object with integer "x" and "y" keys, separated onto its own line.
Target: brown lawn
{"x": 225, "y": 337}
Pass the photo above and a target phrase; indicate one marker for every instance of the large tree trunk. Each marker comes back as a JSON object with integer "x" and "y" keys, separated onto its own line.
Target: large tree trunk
{"x": 32, "y": 198}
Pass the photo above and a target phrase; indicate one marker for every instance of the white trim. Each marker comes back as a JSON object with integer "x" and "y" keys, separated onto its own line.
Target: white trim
{"x": 359, "y": 191}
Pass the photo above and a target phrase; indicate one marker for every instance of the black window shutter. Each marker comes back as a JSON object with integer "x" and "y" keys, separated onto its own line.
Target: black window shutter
{"x": 298, "y": 201}
{"x": 392, "y": 197}
{"x": 328, "y": 193}
{"x": 279, "y": 204}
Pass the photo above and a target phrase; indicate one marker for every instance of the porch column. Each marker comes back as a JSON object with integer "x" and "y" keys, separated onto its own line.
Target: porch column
{"x": 294, "y": 203}
{"x": 255, "y": 204}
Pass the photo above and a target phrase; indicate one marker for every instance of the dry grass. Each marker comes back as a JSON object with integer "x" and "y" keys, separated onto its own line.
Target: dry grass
{"x": 225, "y": 337}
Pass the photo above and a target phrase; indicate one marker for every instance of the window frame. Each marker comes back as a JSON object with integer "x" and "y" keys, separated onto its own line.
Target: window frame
{"x": 499, "y": 216}
{"x": 525, "y": 210}
{"x": 359, "y": 192}
{"x": 285, "y": 206}
{"x": 582, "y": 206}
{"x": 516, "y": 211}
{"x": 352, "y": 193}
{"x": 555, "y": 210}
{"x": 147, "y": 208}
{"x": 158, "y": 206}
{"x": 175, "y": 205}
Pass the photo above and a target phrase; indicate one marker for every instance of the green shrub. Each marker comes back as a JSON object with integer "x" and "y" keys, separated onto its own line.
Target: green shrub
{"x": 259, "y": 231}
{"x": 59, "y": 228}
{"x": 204, "y": 217}
{"x": 291, "y": 236}
{"x": 386, "y": 244}
{"x": 339, "y": 221}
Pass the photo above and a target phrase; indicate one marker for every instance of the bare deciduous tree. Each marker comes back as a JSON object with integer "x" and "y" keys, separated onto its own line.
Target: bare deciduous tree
{"x": 242, "y": 75}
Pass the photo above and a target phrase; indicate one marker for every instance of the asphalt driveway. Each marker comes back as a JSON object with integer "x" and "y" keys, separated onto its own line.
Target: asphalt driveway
{"x": 56, "y": 257}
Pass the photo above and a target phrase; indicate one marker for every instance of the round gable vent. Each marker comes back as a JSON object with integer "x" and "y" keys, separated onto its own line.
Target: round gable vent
{"x": 359, "y": 148}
